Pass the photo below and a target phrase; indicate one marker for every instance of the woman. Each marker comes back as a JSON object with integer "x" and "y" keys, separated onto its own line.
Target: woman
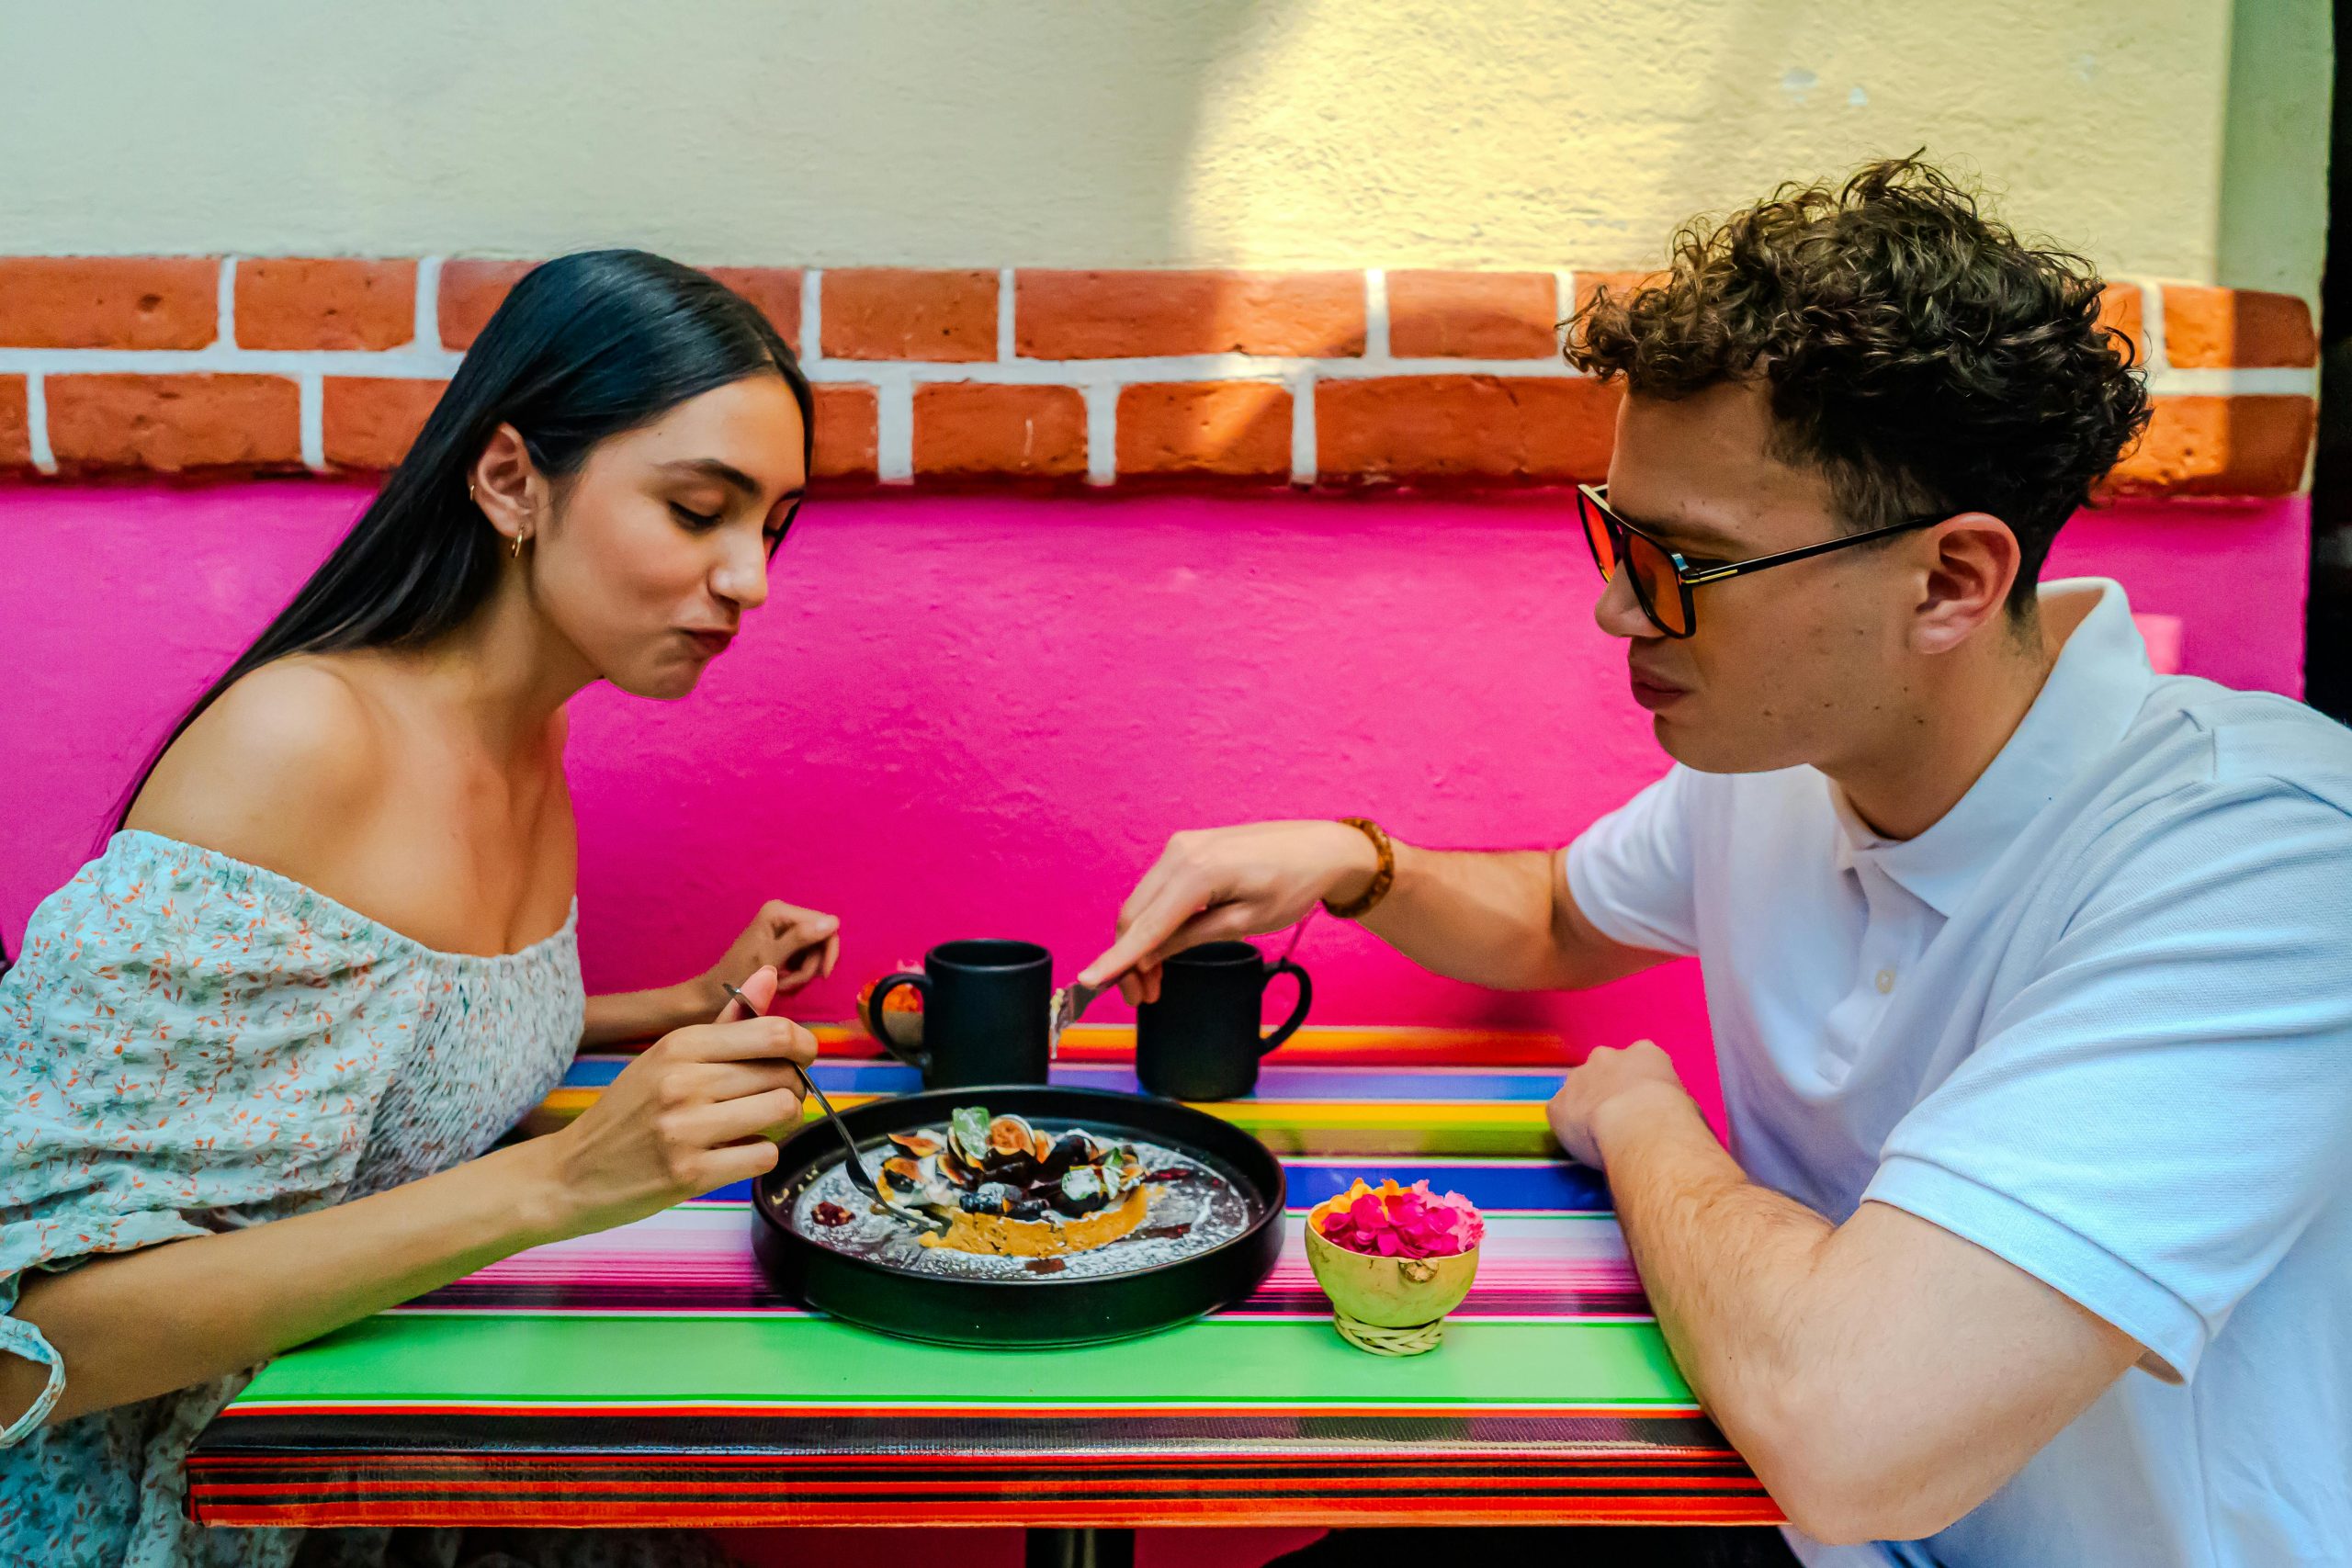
{"x": 254, "y": 1058}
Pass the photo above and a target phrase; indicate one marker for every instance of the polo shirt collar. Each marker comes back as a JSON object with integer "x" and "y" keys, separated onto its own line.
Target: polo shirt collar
{"x": 2097, "y": 685}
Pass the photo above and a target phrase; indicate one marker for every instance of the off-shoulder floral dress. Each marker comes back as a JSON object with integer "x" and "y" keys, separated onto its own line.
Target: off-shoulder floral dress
{"x": 189, "y": 1045}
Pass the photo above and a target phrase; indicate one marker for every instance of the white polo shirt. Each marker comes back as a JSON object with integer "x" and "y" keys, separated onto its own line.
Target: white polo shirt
{"x": 2099, "y": 1021}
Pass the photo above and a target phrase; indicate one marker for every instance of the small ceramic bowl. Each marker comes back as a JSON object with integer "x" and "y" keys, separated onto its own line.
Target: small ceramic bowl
{"x": 1391, "y": 1306}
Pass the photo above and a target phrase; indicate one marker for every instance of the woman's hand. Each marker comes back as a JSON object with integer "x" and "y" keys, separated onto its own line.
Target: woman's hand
{"x": 699, "y": 1108}
{"x": 800, "y": 945}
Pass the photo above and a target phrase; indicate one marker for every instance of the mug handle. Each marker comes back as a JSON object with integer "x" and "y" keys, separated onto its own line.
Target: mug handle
{"x": 915, "y": 1057}
{"x": 1297, "y": 1014}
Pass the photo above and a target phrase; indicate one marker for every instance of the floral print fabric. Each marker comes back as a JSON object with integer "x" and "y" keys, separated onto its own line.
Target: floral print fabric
{"x": 190, "y": 1044}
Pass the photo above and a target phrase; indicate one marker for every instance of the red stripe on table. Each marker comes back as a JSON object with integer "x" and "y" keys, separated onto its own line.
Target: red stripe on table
{"x": 1302, "y": 1511}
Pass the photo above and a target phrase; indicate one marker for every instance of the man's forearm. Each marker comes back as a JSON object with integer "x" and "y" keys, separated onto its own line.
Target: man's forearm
{"x": 1726, "y": 1263}
{"x": 1881, "y": 1377}
{"x": 1499, "y": 919}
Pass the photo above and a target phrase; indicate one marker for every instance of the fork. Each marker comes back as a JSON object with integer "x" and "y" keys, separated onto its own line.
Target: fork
{"x": 854, "y": 1166}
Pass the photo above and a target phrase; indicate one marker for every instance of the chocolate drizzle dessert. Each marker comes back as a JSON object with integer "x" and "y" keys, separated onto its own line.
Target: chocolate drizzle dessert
{"x": 1013, "y": 1200}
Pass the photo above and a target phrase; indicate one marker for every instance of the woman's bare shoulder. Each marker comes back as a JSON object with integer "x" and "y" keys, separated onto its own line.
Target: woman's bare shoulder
{"x": 276, "y": 771}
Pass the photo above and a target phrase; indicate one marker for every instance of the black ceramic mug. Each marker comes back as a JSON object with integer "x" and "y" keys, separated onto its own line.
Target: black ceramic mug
{"x": 986, "y": 1010}
{"x": 1200, "y": 1040}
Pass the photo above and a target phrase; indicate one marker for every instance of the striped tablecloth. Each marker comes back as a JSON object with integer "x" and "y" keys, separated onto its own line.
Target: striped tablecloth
{"x": 650, "y": 1375}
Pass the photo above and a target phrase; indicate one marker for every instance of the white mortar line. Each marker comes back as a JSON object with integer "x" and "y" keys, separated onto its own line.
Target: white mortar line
{"x": 36, "y": 424}
{"x": 2152, "y": 326}
{"x": 2248, "y": 381}
{"x": 812, "y": 305}
{"x": 1302, "y": 428}
{"x": 1376, "y": 313}
{"x": 1004, "y": 304}
{"x": 1564, "y": 305}
{"x": 1102, "y": 433}
{"x": 312, "y": 394}
{"x": 428, "y": 304}
{"x": 894, "y": 420}
{"x": 415, "y": 363}
{"x": 224, "y": 326}
{"x": 1176, "y": 368}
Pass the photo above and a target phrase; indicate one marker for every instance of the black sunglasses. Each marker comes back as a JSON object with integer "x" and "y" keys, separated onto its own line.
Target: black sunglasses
{"x": 1657, "y": 568}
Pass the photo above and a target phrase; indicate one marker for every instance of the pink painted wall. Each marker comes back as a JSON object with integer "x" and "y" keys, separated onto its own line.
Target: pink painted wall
{"x": 981, "y": 717}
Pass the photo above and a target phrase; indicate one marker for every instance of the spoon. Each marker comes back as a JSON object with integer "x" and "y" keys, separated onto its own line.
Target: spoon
{"x": 854, "y": 1166}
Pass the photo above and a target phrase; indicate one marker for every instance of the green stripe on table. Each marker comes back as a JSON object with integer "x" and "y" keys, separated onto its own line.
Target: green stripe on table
{"x": 1285, "y": 1364}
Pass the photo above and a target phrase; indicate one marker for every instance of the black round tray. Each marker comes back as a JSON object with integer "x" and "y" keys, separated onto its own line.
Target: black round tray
{"x": 1034, "y": 1312}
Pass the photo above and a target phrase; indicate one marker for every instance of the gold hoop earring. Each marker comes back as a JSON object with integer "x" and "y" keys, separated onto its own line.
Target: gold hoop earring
{"x": 517, "y": 551}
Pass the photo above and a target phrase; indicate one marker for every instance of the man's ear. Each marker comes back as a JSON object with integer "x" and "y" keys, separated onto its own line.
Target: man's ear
{"x": 1972, "y": 562}
{"x": 506, "y": 485}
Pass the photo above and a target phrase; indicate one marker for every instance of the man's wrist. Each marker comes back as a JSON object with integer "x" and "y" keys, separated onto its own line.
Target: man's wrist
{"x": 1356, "y": 861}
{"x": 1639, "y": 1111}
{"x": 1365, "y": 893}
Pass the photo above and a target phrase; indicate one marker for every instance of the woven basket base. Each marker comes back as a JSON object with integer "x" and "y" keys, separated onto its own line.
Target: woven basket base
{"x": 1382, "y": 1342}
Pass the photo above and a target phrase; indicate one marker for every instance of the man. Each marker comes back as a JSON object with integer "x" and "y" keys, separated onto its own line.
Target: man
{"x": 2030, "y": 972}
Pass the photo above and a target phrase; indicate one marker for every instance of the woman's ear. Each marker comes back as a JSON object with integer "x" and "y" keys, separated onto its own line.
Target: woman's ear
{"x": 506, "y": 485}
{"x": 1974, "y": 560}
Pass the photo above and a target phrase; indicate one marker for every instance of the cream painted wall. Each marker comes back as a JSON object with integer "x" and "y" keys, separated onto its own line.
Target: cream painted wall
{"x": 1147, "y": 132}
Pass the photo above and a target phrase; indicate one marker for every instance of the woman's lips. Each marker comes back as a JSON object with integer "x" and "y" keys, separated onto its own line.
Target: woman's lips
{"x": 710, "y": 644}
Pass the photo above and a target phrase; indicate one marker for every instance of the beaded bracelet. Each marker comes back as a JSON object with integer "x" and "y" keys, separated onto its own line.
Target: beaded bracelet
{"x": 1382, "y": 880}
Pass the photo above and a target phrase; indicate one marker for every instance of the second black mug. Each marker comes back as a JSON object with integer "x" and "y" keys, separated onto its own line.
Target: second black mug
{"x": 1201, "y": 1039}
{"x": 986, "y": 1009}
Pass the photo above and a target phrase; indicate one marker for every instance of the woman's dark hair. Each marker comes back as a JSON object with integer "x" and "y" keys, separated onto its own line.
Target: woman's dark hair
{"x": 585, "y": 347}
{"x": 1916, "y": 352}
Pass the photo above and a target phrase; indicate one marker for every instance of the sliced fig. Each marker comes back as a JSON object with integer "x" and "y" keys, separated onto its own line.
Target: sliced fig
{"x": 1009, "y": 1135}
{"x": 954, "y": 1171}
{"x": 1069, "y": 1150}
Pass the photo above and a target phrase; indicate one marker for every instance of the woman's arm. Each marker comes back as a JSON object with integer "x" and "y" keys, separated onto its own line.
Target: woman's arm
{"x": 800, "y": 945}
{"x": 695, "y": 1112}
{"x": 630, "y": 1018}
{"x": 286, "y": 772}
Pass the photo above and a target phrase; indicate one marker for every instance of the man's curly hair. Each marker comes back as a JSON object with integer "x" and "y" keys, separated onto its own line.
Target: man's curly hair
{"x": 1917, "y": 352}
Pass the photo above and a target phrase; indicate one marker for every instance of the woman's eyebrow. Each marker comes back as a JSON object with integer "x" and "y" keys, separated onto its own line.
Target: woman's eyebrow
{"x": 727, "y": 474}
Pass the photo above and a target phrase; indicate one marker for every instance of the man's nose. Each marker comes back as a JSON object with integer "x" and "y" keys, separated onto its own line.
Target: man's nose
{"x": 1619, "y": 612}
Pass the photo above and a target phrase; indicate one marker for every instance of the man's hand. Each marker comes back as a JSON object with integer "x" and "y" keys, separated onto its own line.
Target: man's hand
{"x": 1228, "y": 882}
{"x": 1608, "y": 1083}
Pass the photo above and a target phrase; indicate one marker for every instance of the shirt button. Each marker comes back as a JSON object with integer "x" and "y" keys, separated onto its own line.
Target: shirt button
{"x": 1885, "y": 981}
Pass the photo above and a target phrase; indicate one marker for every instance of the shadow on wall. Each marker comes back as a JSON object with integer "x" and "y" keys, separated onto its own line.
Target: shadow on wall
{"x": 1111, "y": 147}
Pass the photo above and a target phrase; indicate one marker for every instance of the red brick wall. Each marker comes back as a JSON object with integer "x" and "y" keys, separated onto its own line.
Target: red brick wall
{"x": 121, "y": 366}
